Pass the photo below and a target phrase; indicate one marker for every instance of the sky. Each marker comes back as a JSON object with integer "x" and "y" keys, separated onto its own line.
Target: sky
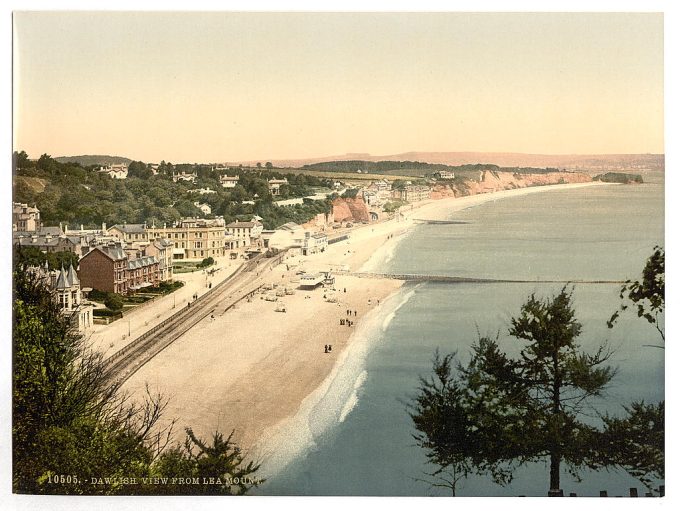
{"x": 211, "y": 87}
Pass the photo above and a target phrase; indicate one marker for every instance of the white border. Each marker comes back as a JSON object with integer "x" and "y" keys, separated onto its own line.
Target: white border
{"x": 672, "y": 85}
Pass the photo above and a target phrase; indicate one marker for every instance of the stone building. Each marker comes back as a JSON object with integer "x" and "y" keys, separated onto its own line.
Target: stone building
{"x": 194, "y": 238}
{"x": 129, "y": 233}
{"x": 25, "y": 218}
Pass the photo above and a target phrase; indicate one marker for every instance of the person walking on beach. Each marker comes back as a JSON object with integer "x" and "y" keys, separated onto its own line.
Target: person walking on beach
{"x": 330, "y": 347}
{"x": 325, "y": 348}
{"x": 355, "y": 314}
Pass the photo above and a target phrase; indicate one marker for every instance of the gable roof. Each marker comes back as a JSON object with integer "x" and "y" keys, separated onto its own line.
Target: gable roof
{"x": 140, "y": 262}
{"x": 115, "y": 253}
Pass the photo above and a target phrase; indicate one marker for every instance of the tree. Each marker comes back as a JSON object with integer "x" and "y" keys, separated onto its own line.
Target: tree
{"x": 269, "y": 165}
{"x": 208, "y": 261}
{"x": 221, "y": 462}
{"x": 20, "y": 160}
{"x": 637, "y": 439}
{"x": 67, "y": 418}
{"x": 45, "y": 162}
{"x": 114, "y": 301}
{"x": 527, "y": 408}
{"x": 139, "y": 169}
{"x": 34, "y": 257}
{"x": 635, "y": 442}
{"x": 648, "y": 294}
{"x": 445, "y": 428}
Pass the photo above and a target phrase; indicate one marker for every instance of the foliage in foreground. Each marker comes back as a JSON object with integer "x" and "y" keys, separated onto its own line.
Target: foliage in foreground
{"x": 73, "y": 432}
{"x": 647, "y": 295}
{"x": 497, "y": 413}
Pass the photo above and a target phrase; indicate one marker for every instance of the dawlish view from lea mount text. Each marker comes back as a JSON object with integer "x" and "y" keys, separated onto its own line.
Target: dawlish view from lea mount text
{"x": 205, "y": 304}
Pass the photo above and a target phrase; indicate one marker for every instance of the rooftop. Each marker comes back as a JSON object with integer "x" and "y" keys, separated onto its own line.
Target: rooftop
{"x": 129, "y": 228}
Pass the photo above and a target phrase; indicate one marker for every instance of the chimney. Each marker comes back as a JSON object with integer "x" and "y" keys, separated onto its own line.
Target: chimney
{"x": 103, "y": 226}
{"x": 81, "y": 227}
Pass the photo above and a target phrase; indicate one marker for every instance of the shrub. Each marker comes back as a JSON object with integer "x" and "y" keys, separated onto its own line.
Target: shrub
{"x": 97, "y": 296}
{"x": 114, "y": 301}
{"x": 208, "y": 261}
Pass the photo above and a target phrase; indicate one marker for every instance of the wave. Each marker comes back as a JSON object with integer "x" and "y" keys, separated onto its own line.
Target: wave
{"x": 388, "y": 319}
{"x": 354, "y": 397}
{"x": 335, "y": 399}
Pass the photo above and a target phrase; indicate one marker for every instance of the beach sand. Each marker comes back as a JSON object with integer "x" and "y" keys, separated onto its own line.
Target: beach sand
{"x": 250, "y": 369}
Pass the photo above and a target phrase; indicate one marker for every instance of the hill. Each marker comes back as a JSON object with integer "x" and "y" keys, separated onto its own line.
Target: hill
{"x": 592, "y": 162}
{"x": 93, "y": 159}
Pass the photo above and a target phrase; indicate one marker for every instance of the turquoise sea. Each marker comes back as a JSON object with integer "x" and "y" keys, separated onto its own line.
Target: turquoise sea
{"x": 357, "y": 437}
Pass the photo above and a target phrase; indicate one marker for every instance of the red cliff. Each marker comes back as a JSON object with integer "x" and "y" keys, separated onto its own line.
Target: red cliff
{"x": 350, "y": 210}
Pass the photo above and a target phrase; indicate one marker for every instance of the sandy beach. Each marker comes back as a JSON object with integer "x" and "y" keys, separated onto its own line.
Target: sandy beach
{"x": 249, "y": 369}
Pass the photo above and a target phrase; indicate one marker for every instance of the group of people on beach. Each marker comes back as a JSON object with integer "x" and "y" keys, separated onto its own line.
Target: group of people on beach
{"x": 327, "y": 348}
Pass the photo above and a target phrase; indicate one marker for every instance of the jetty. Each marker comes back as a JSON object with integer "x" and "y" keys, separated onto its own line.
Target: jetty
{"x": 415, "y": 277}
{"x": 439, "y": 222}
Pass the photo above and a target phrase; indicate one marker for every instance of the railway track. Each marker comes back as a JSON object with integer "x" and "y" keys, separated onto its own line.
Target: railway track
{"x": 125, "y": 362}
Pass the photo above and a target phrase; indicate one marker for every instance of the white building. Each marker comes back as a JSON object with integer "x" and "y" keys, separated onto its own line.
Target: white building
{"x": 25, "y": 218}
{"x": 445, "y": 174}
{"x": 242, "y": 234}
{"x": 205, "y": 208}
{"x": 183, "y": 176}
{"x": 202, "y": 191}
{"x": 229, "y": 181}
{"x": 276, "y": 184}
{"x": 289, "y": 235}
{"x": 115, "y": 171}
{"x": 314, "y": 243}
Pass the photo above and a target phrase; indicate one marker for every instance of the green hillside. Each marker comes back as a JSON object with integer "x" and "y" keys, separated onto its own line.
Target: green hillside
{"x": 86, "y": 160}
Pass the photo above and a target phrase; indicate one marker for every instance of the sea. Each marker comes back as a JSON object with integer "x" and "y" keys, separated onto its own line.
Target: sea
{"x": 354, "y": 435}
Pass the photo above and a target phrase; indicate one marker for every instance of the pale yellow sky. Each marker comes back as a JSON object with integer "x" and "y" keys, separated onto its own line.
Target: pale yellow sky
{"x": 205, "y": 87}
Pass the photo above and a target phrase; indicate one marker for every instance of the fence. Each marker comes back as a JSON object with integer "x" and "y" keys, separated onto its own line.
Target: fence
{"x": 632, "y": 492}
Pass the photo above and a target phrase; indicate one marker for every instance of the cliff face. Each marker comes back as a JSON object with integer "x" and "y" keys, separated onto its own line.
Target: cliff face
{"x": 497, "y": 181}
{"x": 350, "y": 210}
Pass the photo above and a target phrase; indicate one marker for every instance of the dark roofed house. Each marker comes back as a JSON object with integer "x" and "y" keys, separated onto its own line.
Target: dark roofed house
{"x": 142, "y": 272}
{"x": 104, "y": 268}
{"x": 109, "y": 268}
